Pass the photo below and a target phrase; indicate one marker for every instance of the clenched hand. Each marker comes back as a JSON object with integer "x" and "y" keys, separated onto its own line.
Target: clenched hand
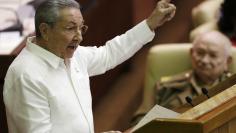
{"x": 163, "y": 12}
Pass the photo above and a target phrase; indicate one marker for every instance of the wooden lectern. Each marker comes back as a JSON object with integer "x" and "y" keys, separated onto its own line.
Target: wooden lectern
{"x": 214, "y": 115}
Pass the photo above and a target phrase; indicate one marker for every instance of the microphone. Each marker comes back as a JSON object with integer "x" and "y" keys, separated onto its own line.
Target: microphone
{"x": 189, "y": 100}
{"x": 205, "y": 92}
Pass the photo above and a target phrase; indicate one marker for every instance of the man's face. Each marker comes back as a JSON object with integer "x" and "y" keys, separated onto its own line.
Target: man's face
{"x": 65, "y": 36}
{"x": 209, "y": 59}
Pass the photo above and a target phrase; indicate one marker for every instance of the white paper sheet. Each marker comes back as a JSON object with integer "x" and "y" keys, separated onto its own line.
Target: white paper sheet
{"x": 156, "y": 112}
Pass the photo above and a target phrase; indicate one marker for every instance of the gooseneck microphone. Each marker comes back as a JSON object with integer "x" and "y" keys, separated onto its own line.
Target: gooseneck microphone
{"x": 205, "y": 92}
{"x": 189, "y": 100}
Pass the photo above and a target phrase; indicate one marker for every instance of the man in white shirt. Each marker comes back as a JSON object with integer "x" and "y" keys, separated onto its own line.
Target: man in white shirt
{"x": 47, "y": 86}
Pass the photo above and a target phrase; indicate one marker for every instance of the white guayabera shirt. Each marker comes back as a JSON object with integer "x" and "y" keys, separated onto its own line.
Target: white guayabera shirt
{"x": 44, "y": 95}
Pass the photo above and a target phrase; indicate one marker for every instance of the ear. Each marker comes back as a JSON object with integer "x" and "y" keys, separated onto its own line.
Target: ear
{"x": 44, "y": 30}
{"x": 229, "y": 61}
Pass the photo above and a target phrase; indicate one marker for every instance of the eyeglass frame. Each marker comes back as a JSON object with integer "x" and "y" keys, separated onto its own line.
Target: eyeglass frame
{"x": 83, "y": 29}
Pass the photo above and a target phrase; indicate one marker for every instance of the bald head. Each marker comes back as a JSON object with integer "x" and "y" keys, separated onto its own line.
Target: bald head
{"x": 211, "y": 56}
{"x": 214, "y": 38}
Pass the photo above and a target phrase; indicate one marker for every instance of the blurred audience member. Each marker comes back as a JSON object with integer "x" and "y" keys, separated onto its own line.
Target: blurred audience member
{"x": 206, "y": 11}
{"x": 227, "y": 21}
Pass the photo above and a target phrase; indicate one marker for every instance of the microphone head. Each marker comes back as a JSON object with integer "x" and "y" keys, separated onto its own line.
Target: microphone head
{"x": 188, "y": 99}
{"x": 204, "y": 91}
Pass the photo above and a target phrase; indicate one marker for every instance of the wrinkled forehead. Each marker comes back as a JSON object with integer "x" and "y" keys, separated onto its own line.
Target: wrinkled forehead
{"x": 211, "y": 44}
{"x": 212, "y": 39}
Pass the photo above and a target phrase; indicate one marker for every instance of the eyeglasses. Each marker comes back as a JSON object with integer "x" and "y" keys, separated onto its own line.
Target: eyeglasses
{"x": 74, "y": 30}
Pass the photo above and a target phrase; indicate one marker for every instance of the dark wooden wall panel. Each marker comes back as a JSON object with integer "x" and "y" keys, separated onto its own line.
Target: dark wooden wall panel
{"x": 106, "y": 19}
{"x": 5, "y": 61}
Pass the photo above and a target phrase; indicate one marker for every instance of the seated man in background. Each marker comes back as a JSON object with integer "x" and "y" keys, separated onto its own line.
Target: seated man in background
{"x": 210, "y": 57}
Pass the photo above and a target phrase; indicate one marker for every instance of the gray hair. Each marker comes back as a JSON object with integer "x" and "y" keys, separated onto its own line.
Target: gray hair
{"x": 47, "y": 12}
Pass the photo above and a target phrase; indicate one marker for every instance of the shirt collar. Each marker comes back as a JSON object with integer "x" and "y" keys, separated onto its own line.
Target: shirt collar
{"x": 198, "y": 87}
{"x": 49, "y": 57}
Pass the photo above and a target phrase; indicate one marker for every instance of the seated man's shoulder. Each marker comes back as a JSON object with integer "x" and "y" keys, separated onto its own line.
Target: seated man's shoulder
{"x": 178, "y": 80}
{"x": 171, "y": 90}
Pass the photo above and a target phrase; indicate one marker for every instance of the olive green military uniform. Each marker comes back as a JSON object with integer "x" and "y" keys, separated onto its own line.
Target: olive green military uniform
{"x": 171, "y": 91}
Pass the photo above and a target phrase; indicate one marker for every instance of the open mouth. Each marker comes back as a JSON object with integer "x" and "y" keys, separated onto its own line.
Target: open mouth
{"x": 72, "y": 47}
